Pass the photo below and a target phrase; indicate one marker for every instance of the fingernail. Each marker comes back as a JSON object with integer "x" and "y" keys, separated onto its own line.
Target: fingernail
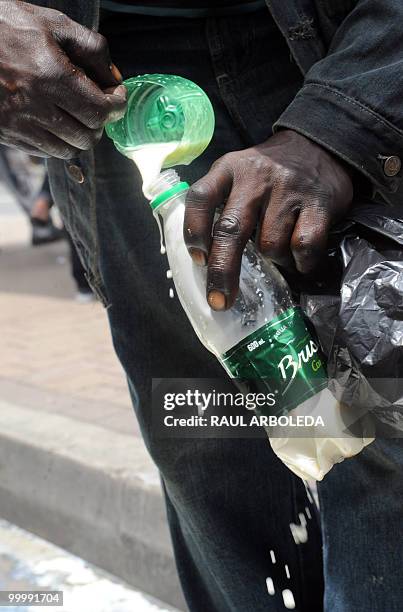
{"x": 217, "y": 300}
{"x": 120, "y": 91}
{"x": 116, "y": 73}
{"x": 198, "y": 257}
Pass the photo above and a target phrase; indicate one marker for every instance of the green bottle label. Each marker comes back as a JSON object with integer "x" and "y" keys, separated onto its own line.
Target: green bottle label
{"x": 283, "y": 357}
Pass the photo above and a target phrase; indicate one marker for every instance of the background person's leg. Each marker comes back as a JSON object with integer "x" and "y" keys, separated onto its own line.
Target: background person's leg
{"x": 30, "y": 188}
{"x": 17, "y": 182}
{"x": 362, "y": 516}
{"x": 43, "y": 229}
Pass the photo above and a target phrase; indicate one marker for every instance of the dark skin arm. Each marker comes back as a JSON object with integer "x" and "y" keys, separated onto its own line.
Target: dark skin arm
{"x": 289, "y": 188}
{"x": 58, "y": 86}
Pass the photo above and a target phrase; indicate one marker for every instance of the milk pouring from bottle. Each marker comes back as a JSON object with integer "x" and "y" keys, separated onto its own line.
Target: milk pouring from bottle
{"x": 263, "y": 338}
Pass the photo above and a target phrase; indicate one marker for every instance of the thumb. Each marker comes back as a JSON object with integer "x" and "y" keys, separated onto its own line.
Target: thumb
{"x": 89, "y": 51}
{"x": 118, "y": 97}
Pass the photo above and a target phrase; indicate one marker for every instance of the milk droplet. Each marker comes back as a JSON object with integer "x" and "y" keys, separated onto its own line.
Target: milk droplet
{"x": 299, "y": 533}
{"x": 308, "y": 493}
{"x": 308, "y": 512}
{"x": 272, "y": 556}
{"x": 171, "y": 294}
{"x": 288, "y": 599}
{"x": 169, "y": 274}
{"x": 158, "y": 220}
{"x": 287, "y": 571}
{"x": 270, "y": 586}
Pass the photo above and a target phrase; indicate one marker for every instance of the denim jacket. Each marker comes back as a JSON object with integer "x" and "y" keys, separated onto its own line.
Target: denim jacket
{"x": 351, "y": 56}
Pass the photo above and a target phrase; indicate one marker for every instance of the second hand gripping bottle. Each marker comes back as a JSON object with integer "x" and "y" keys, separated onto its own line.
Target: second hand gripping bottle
{"x": 263, "y": 339}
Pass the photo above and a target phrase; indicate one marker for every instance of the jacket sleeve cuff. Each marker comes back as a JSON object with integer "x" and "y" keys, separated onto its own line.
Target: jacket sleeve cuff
{"x": 350, "y": 130}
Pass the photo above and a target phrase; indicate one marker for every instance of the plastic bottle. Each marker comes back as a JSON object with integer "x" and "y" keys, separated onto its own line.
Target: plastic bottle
{"x": 164, "y": 108}
{"x": 263, "y": 338}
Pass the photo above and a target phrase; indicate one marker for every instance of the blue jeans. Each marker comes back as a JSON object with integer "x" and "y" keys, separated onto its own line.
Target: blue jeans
{"x": 229, "y": 501}
{"x": 362, "y": 512}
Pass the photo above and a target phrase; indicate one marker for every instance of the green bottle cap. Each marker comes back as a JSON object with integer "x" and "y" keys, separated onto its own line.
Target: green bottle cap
{"x": 165, "y": 108}
{"x": 168, "y": 194}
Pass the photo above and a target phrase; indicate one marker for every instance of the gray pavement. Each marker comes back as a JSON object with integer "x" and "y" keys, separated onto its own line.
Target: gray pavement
{"x": 29, "y": 563}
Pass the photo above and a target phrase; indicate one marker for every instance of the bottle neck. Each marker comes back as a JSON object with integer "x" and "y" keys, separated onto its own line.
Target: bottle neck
{"x": 165, "y": 189}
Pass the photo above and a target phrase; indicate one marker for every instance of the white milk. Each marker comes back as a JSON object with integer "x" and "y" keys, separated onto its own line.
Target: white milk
{"x": 149, "y": 159}
{"x": 313, "y": 457}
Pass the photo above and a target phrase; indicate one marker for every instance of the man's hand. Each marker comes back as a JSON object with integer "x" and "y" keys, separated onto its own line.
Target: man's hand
{"x": 290, "y": 188}
{"x": 57, "y": 84}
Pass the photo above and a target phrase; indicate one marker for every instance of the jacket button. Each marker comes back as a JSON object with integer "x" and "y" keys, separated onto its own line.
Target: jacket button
{"x": 392, "y": 165}
{"x": 76, "y": 173}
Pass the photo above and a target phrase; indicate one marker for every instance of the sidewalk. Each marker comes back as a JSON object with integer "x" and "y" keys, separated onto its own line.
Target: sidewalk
{"x": 29, "y": 563}
{"x": 74, "y": 469}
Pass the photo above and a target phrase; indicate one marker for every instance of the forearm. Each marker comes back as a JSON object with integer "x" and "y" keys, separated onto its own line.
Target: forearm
{"x": 351, "y": 100}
